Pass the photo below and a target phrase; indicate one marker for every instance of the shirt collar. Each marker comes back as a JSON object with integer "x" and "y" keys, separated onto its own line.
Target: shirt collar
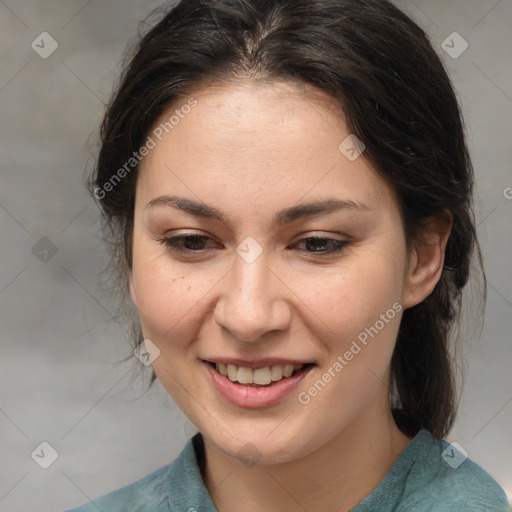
{"x": 413, "y": 460}
{"x": 185, "y": 485}
{"x": 187, "y": 491}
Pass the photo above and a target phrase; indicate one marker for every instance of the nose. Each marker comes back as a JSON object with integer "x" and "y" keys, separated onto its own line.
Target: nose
{"x": 252, "y": 301}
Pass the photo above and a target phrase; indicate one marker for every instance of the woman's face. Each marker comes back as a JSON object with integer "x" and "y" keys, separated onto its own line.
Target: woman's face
{"x": 249, "y": 287}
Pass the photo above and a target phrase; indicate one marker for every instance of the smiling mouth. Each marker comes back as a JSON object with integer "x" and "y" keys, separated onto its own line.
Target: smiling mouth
{"x": 258, "y": 377}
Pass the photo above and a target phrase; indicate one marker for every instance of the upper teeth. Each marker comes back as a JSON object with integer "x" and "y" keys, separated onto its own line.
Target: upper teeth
{"x": 261, "y": 376}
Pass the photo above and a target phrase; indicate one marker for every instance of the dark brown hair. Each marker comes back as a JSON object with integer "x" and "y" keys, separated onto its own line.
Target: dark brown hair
{"x": 398, "y": 99}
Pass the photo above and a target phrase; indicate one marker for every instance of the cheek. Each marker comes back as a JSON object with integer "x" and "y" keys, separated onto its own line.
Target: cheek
{"x": 361, "y": 304}
{"x": 168, "y": 296}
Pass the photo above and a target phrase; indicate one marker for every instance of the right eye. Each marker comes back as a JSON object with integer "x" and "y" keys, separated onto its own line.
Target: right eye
{"x": 185, "y": 244}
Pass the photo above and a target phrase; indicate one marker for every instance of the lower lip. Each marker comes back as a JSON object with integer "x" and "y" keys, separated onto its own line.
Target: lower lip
{"x": 247, "y": 396}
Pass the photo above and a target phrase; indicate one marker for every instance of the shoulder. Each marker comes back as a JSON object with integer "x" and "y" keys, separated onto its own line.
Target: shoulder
{"x": 144, "y": 495}
{"x": 177, "y": 486}
{"x": 447, "y": 481}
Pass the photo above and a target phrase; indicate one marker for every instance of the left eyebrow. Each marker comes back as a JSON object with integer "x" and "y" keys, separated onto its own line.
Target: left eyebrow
{"x": 299, "y": 211}
{"x": 286, "y": 216}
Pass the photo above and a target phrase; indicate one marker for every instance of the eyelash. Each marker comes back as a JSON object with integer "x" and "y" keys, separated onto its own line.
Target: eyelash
{"x": 175, "y": 244}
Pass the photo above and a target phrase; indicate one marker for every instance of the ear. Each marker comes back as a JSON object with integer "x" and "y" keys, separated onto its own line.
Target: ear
{"x": 426, "y": 259}
{"x": 131, "y": 285}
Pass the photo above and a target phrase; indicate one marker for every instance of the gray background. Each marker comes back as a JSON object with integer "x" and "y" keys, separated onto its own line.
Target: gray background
{"x": 59, "y": 381}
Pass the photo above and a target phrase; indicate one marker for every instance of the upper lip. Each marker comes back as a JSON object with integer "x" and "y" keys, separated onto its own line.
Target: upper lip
{"x": 256, "y": 363}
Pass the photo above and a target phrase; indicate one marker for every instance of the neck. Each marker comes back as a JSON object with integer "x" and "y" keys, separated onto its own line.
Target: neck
{"x": 335, "y": 477}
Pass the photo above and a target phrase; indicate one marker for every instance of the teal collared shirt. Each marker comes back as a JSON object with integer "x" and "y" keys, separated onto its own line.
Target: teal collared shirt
{"x": 429, "y": 476}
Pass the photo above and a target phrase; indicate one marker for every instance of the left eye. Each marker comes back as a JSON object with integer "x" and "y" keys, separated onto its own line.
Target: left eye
{"x": 196, "y": 243}
{"x": 329, "y": 245}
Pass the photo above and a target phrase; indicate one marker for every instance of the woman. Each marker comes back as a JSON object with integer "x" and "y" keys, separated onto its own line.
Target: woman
{"x": 288, "y": 191}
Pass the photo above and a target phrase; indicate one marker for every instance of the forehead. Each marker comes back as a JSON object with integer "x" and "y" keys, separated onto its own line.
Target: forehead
{"x": 273, "y": 141}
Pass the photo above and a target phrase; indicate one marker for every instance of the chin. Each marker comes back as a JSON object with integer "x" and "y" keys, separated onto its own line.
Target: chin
{"x": 256, "y": 447}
